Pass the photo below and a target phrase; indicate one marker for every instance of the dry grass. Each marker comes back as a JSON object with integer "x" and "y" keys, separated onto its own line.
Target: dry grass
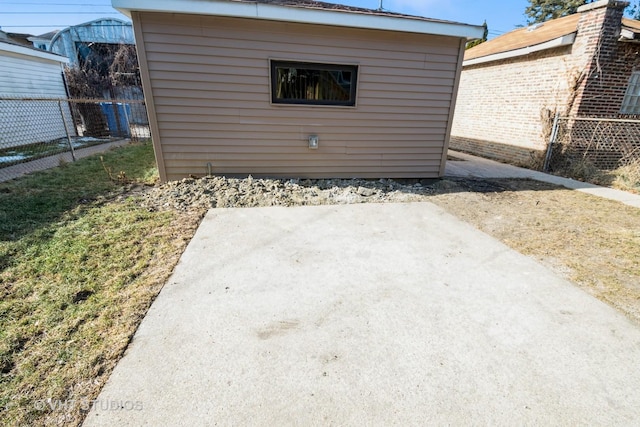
{"x": 627, "y": 178}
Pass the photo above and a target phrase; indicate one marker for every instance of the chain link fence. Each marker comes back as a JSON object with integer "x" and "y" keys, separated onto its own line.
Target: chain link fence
{"x": 602, "y": 144}
{"x": 40, "y": 128}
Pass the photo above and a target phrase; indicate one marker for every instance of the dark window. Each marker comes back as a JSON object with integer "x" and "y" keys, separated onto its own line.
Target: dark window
{"x": 313, "y": 84}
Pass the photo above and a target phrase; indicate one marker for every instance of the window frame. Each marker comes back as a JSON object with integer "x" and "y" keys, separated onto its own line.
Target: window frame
{"x": 274, "y": 64}
{"x": 631, "y": 100}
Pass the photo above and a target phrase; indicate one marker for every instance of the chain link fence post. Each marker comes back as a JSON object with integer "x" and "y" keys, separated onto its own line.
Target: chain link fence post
{"x": 66, "y": 129}
{"x": 552, "y": 142}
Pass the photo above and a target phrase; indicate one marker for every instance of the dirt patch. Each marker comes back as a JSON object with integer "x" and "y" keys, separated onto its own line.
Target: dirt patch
{"x": 591, "y": 241}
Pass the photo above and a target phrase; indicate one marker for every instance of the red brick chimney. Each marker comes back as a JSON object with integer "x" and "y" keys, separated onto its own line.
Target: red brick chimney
{"x": 596, "y": 52}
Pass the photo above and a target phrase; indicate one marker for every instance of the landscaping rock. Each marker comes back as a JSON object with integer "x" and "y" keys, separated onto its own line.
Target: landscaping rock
{"x": 222, "y": 192}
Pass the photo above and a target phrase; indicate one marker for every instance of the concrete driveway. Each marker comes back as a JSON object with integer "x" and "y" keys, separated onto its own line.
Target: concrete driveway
{"x": 395, "y": 314}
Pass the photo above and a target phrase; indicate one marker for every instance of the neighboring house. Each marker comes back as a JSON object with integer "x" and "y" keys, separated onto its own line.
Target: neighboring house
{"x": 79, "y": 41}
{"x": 26, "y": 72}
{"x": 43, "y": 41}
{"x": 296, "y": 88}
{"x": 15, "y": 38}
{"x": 584, "y": 64}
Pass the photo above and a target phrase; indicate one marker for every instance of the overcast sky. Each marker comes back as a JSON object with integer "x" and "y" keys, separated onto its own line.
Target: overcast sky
{"x": 38, "y": 17}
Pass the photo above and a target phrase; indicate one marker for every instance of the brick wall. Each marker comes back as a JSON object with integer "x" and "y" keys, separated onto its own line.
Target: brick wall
{"x": 520, "y": 156}
{"x": 502, "y": 103}
{"x": 607, "y": 73}
{"x": 603, "y": 95}
{"x": 504, "y": 108}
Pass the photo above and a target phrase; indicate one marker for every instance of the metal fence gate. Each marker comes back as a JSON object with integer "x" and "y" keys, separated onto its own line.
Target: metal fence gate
{"x": 603, "y": 143}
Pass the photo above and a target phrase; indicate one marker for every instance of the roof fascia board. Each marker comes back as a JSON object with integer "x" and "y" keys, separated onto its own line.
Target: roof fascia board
{"x": 21, "y": 50}
{"x": 565, "y": 40}
{"x": 301, "y": 15}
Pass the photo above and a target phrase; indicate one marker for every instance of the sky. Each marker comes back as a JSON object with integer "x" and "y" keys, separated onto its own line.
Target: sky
{"x": 39, "y": 17}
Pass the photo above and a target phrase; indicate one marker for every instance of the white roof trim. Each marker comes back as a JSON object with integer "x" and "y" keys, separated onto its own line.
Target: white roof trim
{"x": 37, "y": 38}
{"x": 627, "y": 34}
{"x": 22, "y": 50}
{"x": 560, "y": 41}
{"x": 302, "y": 15}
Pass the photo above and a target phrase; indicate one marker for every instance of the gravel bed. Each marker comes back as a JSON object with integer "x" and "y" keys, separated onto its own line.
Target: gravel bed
{"x": 222, "y": 192}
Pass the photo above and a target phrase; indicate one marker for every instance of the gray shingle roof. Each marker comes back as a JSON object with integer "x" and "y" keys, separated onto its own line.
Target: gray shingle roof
{"x": 312, "y": 4}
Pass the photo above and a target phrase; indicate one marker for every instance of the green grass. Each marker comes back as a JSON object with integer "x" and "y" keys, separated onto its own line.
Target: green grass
{"x": 79, "y": 268}
{"x": 37, "y": 200}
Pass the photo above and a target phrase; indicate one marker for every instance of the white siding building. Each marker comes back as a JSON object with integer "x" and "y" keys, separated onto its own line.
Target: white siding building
{"x": 27, "y": 73}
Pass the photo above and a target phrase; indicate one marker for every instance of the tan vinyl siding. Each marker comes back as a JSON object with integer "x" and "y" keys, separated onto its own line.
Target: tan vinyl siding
{"x": 209, "y": 78}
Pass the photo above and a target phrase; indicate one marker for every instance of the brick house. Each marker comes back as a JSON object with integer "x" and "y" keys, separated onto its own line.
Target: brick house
{"x": 586, "y": 64}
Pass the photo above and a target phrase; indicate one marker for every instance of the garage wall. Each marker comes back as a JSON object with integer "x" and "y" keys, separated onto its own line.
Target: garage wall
{"x": 208, "y": 78}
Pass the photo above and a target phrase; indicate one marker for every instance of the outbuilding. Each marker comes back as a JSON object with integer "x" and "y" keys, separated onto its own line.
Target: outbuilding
{"x": 30, "y": 77}
{"x": 296, "y": 88}
{"x": 94, "y": 37}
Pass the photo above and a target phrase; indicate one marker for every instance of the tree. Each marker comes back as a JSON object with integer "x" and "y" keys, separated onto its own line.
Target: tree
{"x": 102, "y": 68}
{"x": 485, "y": 35}
{"x": 544, "y": 10}
{"x": 634, "y": 10}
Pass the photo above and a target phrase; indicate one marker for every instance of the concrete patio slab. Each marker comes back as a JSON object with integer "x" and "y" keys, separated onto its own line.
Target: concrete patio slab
{"x": 389, "y": 314}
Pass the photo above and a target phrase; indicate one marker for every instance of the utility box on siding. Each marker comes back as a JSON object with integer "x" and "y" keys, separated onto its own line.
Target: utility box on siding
{"x": 244, "y": 85}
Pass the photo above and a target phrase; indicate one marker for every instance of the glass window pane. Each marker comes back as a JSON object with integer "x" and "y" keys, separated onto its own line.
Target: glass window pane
{"x": 315, "y": 84}
{"x": 631, "y": 100}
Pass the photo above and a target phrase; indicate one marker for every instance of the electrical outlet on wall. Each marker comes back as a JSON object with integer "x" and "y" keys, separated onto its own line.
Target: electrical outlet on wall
{"x": 314, "y": 142}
